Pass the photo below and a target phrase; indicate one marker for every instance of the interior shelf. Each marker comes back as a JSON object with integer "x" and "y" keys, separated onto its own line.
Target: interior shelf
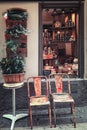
{"x": 59, "y": 41}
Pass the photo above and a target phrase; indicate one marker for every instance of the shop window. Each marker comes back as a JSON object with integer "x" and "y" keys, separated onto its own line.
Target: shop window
{"x": 60, "y": 40}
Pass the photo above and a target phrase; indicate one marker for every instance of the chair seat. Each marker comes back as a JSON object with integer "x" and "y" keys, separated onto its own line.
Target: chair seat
{"x": 62, "y": 97}
{"x": 42, "y": 100}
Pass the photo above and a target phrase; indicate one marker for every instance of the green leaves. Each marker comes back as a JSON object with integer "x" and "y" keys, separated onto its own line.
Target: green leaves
{"x": 15, "y": 36}
{"x": 11, "y": 65}
{"x": 17, "y": 30}
{"x": 12, "y": 45}
{"x": 16, "y": 14}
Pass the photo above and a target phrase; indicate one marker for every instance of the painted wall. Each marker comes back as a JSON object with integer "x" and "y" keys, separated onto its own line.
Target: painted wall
{"x": 31, "y": 66}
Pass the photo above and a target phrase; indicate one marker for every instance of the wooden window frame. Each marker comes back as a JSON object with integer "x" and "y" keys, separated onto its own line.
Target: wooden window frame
{"x": 80, "y": 6}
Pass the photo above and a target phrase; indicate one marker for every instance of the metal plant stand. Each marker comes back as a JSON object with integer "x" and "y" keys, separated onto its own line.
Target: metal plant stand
{"x": 14, "y": 117}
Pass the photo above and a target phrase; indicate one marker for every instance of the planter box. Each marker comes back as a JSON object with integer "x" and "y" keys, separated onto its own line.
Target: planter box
{"x": 12, "y": 22}
{"x": 20, "y": 51}
{"x": 13, "y": 78}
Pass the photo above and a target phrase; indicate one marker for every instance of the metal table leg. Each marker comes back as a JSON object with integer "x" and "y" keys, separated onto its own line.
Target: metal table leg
{"x": 14, "y": 117}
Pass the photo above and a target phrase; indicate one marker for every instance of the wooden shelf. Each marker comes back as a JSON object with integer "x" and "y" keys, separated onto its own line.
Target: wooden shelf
{"x": 59, "y": 39}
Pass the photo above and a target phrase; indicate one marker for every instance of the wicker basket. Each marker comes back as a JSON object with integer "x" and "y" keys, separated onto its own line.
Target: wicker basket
{"x": 13, "y": 78}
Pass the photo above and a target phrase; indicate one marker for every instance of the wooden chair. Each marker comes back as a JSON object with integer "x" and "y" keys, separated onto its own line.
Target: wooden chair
{"x": 38, "y": 98}
{"x": 61, "y": 93}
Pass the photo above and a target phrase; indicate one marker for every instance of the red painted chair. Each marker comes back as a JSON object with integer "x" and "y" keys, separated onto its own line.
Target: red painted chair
{"x": 61, "y": 93}
{"x": 38, "y": 99}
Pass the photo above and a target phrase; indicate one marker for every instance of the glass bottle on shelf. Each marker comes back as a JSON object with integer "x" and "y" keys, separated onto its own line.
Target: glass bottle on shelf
{"x": 46, "y": 37}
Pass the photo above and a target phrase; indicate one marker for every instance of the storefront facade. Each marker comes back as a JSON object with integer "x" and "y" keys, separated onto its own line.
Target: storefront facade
{"x": 34, "y": 59}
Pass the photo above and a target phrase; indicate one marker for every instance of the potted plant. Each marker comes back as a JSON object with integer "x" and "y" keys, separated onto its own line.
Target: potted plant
{"x": 12, "y": 65}
{"x": 16, "y": 31}
{"x": 13, "y": 68}
{"x": 16, "y": 36}
{"x": 16, "y": 14}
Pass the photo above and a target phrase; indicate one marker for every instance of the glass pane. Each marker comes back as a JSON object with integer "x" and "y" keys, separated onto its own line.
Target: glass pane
{"x": 60, "y": 47}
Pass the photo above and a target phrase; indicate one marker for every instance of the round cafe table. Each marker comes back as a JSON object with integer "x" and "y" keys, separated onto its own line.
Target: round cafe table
{"x": 14, "y": 117}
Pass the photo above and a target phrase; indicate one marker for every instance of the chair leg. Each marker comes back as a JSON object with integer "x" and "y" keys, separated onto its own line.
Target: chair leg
{"x": 31, "y": 122}
{"x": 50, "y": 116}
{"x": 73, "y": 112}
{"x": 54, "y": 114}
{"x": 71, "y": 108}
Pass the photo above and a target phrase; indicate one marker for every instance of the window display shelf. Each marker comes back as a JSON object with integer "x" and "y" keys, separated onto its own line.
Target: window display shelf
{"x": 59, "y": 40}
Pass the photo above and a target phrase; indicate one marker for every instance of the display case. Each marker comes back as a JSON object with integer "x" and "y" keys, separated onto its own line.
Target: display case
{"x": 59, "y": 41}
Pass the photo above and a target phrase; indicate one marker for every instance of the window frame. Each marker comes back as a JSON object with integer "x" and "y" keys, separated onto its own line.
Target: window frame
{"x": 63, "y": 4}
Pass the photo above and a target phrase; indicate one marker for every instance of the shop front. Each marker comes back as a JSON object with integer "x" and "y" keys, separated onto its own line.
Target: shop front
{"x": 56, "y": 43}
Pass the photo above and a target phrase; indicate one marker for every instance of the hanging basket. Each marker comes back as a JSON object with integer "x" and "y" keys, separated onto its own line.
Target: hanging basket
{"x": 13, "y": 78}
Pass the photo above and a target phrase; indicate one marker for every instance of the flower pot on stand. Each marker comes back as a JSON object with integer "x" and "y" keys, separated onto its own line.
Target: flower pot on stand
{"x": 13, "y": 78}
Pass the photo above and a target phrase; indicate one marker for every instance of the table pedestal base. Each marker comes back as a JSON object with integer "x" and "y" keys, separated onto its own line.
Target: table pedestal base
{"x": 14, "y": 118}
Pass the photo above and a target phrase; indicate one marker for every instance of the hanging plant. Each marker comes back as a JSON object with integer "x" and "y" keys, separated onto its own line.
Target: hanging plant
{"x": 12, "y": 45}
{"x": 16, "y": 14}
{"x": 16, "y": 30}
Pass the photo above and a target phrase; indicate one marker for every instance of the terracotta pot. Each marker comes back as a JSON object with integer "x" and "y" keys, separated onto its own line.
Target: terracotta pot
{"x": 13, "y": 78}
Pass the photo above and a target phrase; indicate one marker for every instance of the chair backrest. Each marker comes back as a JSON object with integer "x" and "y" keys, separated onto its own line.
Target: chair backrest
{"x": 59, "y": 83}
{"x": 37, "y": 86}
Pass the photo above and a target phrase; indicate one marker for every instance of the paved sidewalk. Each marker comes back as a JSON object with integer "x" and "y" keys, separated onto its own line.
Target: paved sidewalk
{"x": 80, "y": 126}
{"x": 43, "y": 122}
